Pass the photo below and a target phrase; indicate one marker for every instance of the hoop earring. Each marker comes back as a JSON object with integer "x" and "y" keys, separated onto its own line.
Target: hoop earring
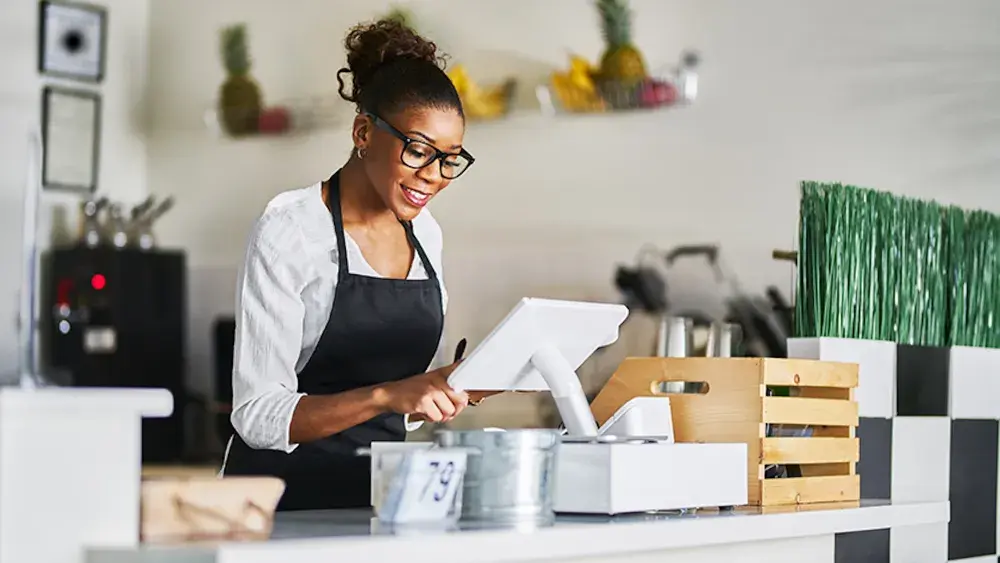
{"x": 361, "y": 153}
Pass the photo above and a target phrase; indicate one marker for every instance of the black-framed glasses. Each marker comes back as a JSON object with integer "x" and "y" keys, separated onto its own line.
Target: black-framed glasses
{"x": 418, "y": 154}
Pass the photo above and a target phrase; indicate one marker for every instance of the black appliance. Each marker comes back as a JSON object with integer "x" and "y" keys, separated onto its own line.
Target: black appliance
{"x": 117, "y": 318}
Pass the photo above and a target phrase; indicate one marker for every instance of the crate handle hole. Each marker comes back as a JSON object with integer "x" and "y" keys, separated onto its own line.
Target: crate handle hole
{"x": 679, "y": 387}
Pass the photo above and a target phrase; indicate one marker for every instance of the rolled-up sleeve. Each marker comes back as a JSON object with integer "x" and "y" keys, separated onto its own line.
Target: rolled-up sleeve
{"x": 268, "y": 340}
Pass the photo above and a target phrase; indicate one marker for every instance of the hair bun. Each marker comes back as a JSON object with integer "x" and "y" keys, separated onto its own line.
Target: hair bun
{"x": 371, "y": 46}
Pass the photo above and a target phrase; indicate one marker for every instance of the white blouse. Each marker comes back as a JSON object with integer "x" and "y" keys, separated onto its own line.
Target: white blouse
{"x": 283, "y": 300}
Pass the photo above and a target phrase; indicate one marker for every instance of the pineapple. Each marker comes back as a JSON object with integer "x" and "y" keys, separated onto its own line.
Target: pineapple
{"x": 622, "y": 63}
{"x": 239, "y": 97}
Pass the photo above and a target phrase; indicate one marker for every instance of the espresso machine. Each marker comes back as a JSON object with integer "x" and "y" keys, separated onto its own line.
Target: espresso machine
{"x": 114, "y": 314}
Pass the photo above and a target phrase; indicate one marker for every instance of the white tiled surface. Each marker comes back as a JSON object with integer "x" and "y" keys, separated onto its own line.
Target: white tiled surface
{"x": 876, "y": 368}
{"x": 927, "y": 543}
{"x": 921, "y": 449}
{"x": 998, "y": 502}
{"x": 975, "y": 382}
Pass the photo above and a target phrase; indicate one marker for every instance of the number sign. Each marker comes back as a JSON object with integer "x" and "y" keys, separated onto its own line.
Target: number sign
{"x": 425, "y": 487}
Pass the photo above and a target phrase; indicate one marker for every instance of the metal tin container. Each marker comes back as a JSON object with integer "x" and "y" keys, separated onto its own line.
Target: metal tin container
{"x": 510, "y": 474}
{"x": 675, "y": 338}
{"x": 723, "y": 338}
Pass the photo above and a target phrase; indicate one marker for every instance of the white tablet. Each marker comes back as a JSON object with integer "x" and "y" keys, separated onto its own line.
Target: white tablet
{"x": 538, "y": 347}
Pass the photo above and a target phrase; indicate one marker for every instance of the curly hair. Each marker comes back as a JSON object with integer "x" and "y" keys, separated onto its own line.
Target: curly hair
{"x": 392, "y": 68}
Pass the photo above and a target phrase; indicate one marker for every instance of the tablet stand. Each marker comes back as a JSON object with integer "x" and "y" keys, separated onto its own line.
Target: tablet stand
{"x": 567, "y": 391}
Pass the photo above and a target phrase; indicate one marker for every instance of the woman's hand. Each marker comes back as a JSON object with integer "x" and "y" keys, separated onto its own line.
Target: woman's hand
{"x": 425, "y": 397}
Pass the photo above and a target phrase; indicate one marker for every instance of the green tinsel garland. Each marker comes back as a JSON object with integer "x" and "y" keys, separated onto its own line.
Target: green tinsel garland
{"x": 875, "y": 266}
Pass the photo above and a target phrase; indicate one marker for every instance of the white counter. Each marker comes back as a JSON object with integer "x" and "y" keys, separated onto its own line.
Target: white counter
{"x": 774, "y": 536}
{"x": 70, "y": 469}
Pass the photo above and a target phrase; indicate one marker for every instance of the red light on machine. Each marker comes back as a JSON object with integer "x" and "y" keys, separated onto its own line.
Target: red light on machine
{"x": 98, "y": 282}
{"x": 63, "y": 291}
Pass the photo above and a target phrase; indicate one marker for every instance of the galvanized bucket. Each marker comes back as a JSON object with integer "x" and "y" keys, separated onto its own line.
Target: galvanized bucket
{"x": 510, "y": 474}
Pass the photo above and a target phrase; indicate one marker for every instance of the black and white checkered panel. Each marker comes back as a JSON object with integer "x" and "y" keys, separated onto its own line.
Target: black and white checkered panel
{"x": 974, "y": 401}
{"x": 929, "y": 432}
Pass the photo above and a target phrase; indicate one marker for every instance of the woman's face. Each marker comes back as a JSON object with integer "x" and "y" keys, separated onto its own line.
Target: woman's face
{"x": 406, "y": 190}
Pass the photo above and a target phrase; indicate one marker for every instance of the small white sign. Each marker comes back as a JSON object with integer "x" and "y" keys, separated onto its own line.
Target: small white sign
{"x": 99, "y": 340}
{"x": 425, "y": 487}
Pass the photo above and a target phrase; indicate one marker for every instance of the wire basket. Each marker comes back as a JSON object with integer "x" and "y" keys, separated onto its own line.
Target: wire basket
{"x": 581, "y": 89}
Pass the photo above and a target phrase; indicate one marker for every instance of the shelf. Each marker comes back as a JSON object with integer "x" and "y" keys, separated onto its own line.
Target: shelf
{"x": 284, "y": 118}
{"x": 559, "y": 94}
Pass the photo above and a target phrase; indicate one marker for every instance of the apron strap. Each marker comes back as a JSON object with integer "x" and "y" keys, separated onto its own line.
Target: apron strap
{"x": 333, "y": 195}
{"x": 428, "y": 267}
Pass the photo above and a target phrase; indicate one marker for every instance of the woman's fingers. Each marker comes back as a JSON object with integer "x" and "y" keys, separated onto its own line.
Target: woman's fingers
{"x": 458, "y": 398}
{"x": 445, "y": 405}
{"x": 442, "y": 403}
{"x": 429, "y": 408}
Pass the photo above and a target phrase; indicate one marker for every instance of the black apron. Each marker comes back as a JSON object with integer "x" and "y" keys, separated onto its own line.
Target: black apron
{"x": 379, "y": 330}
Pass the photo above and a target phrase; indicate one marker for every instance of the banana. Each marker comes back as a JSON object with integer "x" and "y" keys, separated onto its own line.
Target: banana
{"x": 575, "y": 88}
{"x": 459, "y": 77}
{"x": 480, "y": 103}
{"x": 581, "y": 71}
{"x": 572, "y": 96}
{"x": 488, "y": 105}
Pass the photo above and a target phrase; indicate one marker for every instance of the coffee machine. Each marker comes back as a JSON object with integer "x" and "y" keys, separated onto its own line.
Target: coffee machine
{"x": 116, "y": 317}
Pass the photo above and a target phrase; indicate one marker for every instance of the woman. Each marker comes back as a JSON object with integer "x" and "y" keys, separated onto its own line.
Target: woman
{"x": 341, "y": 302}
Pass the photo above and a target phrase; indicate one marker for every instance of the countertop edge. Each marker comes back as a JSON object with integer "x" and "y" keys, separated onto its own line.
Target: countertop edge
{"x": 143, "y": 402}
{"x": 564, "y": 541}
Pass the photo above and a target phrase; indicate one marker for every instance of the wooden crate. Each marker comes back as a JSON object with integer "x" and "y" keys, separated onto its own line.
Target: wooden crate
{"x": 725, "y": 400}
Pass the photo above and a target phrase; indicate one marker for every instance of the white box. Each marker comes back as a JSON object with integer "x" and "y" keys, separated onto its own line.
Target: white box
{"x": 923, "y": 543}
{"x": 975, "y": 382}
{"x": 619, "y": 478}
{"x": 622, "y": 478}
{"x": 876, "y": 359}
{"x": 921, "y": 450}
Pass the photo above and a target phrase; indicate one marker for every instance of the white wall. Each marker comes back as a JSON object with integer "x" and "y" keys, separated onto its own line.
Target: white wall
{"x": 123, "y": 150}
{"x": 903, "y": 95}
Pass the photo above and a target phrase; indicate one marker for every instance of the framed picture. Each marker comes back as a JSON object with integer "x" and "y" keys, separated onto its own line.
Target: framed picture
{"x": 72, "y": 40}
{"x": 71, "y": 138}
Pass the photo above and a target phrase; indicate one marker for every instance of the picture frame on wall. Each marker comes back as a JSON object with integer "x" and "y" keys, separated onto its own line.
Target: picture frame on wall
{"x": 72, "y": 40}
{"x": 71, "y": 139}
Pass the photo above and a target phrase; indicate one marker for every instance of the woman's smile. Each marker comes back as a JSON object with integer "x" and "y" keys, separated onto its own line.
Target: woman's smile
{"x": 414, "y": 197}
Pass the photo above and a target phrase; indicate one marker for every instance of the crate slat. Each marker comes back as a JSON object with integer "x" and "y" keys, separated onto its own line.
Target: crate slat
{"x": 824, "y": 393}
{"x": 827, "y": 469}
{"x": 810, "y": 450}
{"x": 801, "y": 410}
{"x": 809, "y": 373}
{"x": 811, "y": 489}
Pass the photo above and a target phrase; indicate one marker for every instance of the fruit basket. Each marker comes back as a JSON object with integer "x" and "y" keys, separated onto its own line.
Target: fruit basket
{"x": 620, "y": 80}
{"x": 581, "y": 89}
